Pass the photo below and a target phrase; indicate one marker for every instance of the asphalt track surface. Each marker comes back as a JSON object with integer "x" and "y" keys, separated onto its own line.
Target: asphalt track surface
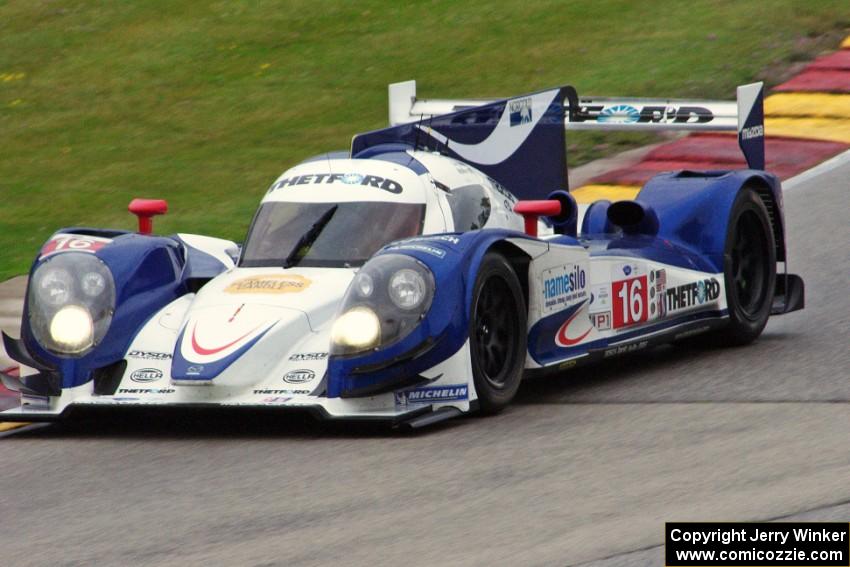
{"x": 584, "y": 468}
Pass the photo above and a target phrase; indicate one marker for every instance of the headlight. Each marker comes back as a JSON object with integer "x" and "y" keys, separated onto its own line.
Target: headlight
{"x": 363, "y": 284}
{"x": 54, "y": 286}
{"x": 70, "y": 302}
{"x": 407, "y": 289}
{"x": 386, "y": 300}
{"x": 357, "y": 330}
{"x": 93, "y": 284}
{"x": 72, "y": 329}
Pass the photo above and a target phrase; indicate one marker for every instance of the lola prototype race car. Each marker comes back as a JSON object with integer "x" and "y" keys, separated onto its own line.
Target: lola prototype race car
{"x": 418, "y": 276}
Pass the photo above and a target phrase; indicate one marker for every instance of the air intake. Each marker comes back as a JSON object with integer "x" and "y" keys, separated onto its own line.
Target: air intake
{"x": 633, "y": 217}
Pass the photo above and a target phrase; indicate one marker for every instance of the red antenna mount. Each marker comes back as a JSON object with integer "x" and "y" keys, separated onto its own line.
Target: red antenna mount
{"x": 531, "y": 210}
{"x": 146, "y": 209}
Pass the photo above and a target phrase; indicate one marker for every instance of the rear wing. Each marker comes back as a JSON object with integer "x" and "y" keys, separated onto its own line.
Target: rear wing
{"x": 744, "y": 116}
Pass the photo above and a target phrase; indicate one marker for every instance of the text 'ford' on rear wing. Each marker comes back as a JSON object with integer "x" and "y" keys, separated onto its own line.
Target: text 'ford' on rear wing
{"x": 746, "y": 115}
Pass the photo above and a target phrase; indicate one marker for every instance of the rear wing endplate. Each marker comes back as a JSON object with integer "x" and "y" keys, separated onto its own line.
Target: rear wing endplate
{"x": 744, "y": 116}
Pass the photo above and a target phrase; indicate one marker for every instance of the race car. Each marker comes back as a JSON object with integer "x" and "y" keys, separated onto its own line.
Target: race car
{"x": 416, "y": 277}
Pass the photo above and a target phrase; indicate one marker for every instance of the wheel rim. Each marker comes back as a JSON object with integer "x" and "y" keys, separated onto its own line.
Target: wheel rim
{"x": 749, "y": 264}
{"x": 494, "y": 330}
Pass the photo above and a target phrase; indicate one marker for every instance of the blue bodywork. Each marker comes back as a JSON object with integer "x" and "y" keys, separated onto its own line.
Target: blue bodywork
{"x": 694, "y": 208}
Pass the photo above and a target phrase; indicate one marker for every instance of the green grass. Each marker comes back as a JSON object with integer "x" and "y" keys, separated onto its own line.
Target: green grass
{"x": 205, "y": 103}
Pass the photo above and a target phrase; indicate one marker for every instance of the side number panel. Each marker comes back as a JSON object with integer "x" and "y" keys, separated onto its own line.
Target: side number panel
{"x": 630, "y": 301}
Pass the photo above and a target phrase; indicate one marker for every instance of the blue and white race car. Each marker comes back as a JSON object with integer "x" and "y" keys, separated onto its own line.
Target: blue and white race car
{"x": 419, "y": 276}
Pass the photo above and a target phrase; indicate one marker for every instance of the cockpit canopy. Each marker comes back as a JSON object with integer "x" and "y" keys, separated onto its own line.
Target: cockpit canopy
{"x": 286, "y": 234}
{"x": 336, "y": 213}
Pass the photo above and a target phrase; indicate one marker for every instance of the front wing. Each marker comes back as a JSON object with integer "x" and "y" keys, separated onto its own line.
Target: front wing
{"x": 449, "y": 392}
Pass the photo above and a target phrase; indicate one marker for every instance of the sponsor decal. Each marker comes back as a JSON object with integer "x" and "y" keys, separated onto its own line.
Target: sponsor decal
{"x": 382, "y": 183}
{"x": 194, "y": 370}
{"x": 680, "y": 115}
{"x": 601, "y": 320}
{"x": 432, "y": 395}
{"x": 519, "y": 111}
{"x": 299, "y": 376}
{"x": 627, "y": 269}
{"x": 508, "y": 198}
{"x": 433, "y": 251}
{"x": 660, "y": 280}
{"x": 653, "y": 300}
{"x": 275, "y": 400}
{"x": 752, "y": 132}
{"x": 691, "y": 295}
{"x": 265, "y": 391}
{"x": 562, "y": 286}
{"x": 149, "y": 355}
{"x": 567, "y": 364}
{"x": 624, "y": 349}
{"x": 303, "y": 356}
{"x": 73, "y": 243}
{"x": 619, "y": 114}
{"x": 562, "y": 337}
{"x": 660, "y": 114}
{"x": 146, "y": 375}
{"x": 439, "y": 238}
{"x": 290, "y": 283}
{"x": 658, "y": 306}
{"x": 600, "y": 298}
{"x": 146, "y": 390}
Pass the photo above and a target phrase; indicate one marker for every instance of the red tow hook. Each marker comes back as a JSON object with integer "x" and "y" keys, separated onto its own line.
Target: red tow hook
{"x": 532, "y": 210}
{"x": 146, "y": 209}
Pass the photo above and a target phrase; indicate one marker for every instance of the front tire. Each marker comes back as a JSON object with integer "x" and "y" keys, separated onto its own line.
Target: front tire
{"x": 497, "y": 333}
{"x": 749, "y": 267}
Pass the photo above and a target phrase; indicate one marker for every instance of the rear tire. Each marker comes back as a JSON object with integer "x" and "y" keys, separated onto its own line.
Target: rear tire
{"x": 749, "y": 269}
{"x": 497, "y": 333}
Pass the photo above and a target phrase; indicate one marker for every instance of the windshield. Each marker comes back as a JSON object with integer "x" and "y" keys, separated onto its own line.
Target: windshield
{"x": 327, "y": 234}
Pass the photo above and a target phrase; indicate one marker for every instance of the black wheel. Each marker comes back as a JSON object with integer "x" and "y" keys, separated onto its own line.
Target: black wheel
{"x": 497, "y": 333}
{"x": 749, "y": 266}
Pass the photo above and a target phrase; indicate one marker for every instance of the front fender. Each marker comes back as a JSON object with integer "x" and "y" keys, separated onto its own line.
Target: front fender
{"x": 149, "y": 272}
